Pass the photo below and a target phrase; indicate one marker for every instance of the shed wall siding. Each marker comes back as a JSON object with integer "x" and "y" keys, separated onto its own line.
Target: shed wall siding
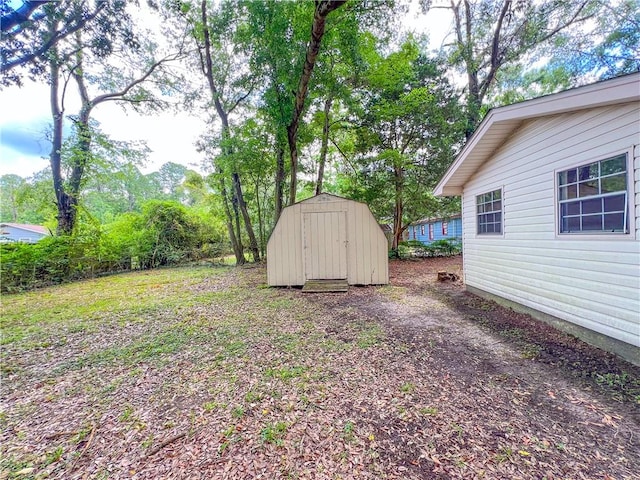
{"x": 592, "y": 281}
{"x": 366, "y": 257}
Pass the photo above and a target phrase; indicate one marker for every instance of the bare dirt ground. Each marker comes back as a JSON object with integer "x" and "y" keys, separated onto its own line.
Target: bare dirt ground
{"x": 415, "y": 380}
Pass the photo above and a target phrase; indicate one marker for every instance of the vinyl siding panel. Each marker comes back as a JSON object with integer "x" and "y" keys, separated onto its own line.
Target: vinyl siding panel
{"x": 326, "y": 223}
{"x": 590, "y": 280}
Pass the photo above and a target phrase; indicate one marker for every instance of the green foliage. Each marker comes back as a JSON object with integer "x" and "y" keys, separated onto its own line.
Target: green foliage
{"x": 165, "y": 233}
{"x": 169, "y": 234}
{"x": 445, "y": 247}
{"x": 51, "y": 260}
{"x": 274, "y": 433}
{"x": 409, "y": 127}
{"x": 27, "y": 200}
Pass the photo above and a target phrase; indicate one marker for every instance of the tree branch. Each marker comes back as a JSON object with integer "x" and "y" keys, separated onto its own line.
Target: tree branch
{"x": 240, "y": 99}
{"x": 54, "y": 39}
{"x": 22, "y": 14}
{"x": 122, "y": 93}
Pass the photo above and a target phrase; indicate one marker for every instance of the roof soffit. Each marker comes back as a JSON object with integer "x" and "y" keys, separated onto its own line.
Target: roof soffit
{"x": 500, "y": 123}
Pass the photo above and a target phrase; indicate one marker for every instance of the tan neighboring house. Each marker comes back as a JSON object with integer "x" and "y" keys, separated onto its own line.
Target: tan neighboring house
{"x": 327, "y": 237}
{"x": 20, "y": 232}
{"x": 551, "y": 210}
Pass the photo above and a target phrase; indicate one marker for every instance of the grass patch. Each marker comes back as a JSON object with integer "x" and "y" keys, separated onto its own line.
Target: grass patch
{"x": 393, "y": 293}
{"x": 370, "y": 335}
{"x": 285, "y": 373}
{"x": 85, "y": 305}
{"x": 274, "y": 433}
{"x": 150, "y": 347}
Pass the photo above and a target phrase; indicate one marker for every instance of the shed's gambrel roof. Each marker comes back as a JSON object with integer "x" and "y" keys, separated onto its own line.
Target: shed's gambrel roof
{"x": 500, "y": 123}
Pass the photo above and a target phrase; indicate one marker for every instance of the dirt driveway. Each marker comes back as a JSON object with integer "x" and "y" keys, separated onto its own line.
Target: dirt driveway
{"x": 415, "y": 380}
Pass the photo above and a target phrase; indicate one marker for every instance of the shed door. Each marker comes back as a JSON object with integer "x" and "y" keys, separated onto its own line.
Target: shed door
{"x": 325, "y": 245}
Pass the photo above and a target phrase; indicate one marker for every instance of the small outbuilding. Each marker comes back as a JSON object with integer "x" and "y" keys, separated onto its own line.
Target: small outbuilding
{"x": 551, "y": 210}
{"x": 327, "y": 237}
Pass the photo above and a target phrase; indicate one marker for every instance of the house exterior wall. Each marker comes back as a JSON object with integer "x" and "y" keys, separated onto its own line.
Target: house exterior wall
{"x": 414, "y": 232}
{"x": 10, "y": 233}
{"x": 366, "y": 252}
{"x": 592, "y": 281}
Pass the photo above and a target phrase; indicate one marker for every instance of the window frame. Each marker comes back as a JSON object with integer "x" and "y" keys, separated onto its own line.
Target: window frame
{"x": 431, "y": 231}
{"x": 477, "y": 214}
{"x": 629, "y": 206}
{"x": 422, "y": 230}
{"x": 445, "y": 229}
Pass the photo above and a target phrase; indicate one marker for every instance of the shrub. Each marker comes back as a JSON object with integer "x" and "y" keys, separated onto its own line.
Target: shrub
{"x": 165, "y": 233}
{"x": 440, "y": 248}
{"x": 446, "y": 247}
{"x": 170, "y": 234}
{"x": 51, "y": 260}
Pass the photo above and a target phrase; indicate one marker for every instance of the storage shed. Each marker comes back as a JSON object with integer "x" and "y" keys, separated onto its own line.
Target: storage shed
{"x": 327, "y": 237}
{"x": 551, "y": 210}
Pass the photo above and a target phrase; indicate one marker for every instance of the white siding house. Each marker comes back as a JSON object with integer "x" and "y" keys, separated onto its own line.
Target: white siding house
{"x": 551, "y": 210}
{"x": 19, "y": 232}
{"x": 327, "y": 237}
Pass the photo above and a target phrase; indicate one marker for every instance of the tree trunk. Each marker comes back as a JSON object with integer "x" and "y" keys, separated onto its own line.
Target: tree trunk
{"x": 323, "y": 8}
{"x": 325, "y": 144}
{"x": 239, "y": 204}
{"x": 253, "y": 243}
{"x": 279, "y": 187}
{"x": 293, "y": 163}
{"x": 66, "y": 205}
{"x": 399, "y": 206}
{"x": 236, "y": 245}
{"x": 260, "y": 219}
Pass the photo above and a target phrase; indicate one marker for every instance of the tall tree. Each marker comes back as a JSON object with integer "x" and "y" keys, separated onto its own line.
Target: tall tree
{"x": 85, "y": 61}
{"x": 216, "y": 33}
{"x": 282, "y": 66}
{"x": 274, "y": 61}
{"x": 322, "y": 10}
{"x": 408, "y": 128}
{"x": 490, "y": 34}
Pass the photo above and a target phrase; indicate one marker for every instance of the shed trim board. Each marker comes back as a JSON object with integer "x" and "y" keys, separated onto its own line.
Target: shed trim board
{"x": 587, "y": 279}
{"x": 327, "y": 237}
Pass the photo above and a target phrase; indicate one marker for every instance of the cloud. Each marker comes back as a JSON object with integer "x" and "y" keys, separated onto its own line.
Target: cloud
{"x": 25, "y": 119}
{"x": 25, "y": 140}
{"x": 16, "y": 163}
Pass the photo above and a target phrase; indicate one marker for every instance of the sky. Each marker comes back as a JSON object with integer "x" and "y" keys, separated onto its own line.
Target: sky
{"x": 25, "y": 119}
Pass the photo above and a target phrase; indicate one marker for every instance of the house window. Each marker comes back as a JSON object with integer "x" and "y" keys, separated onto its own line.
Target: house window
{"x": 431, "y": 231}
{"x": 489, "y": 212}
{"x": 422, "y": 230}
{"x": 445, "y": 228}
{"x": 593, "y": 198}
{"x": 414, "y": 232}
